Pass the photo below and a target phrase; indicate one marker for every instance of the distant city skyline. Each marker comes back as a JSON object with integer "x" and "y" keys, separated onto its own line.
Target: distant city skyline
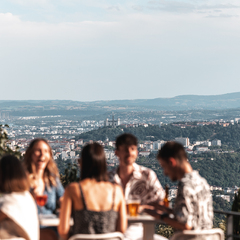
{"x": 104, "y": 50}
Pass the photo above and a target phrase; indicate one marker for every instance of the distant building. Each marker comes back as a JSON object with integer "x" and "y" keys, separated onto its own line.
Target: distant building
{"x": 144, "y": 153}
{"x": 225, "y": 197}
{"x": 202, "y": 149}
{"x": 216, "y": 142}
{"x": 184, "y": 141}
{"x": 72, "y": 154}
{"x": 64, "y": 155}
{"x": 212, "y": 188}
{"x": 113, "y": 123}
{"x": 158, "y": 144}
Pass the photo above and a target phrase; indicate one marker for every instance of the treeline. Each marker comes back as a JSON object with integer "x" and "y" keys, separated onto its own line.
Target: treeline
{"x": 229, "y": 135}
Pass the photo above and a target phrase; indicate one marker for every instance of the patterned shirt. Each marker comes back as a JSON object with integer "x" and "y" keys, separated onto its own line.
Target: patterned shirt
{"x": 143, "y": 184}
{"x": 193, "y": 204}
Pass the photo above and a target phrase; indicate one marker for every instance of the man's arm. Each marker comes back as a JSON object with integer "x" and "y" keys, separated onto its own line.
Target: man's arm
{"x": 176, "y": 224}
{"x": 159, "y": 206}
{"x": 173, "y": 222}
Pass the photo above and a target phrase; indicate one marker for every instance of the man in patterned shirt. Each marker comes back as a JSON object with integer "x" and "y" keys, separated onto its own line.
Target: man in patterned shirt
{"x": 193, "y": 204}
{"x": 138, "y": 182}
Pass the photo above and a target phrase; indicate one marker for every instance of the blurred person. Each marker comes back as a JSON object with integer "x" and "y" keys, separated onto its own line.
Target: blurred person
{"x": 193, "y": 205}
{"x": 18, "y": 211}
{"x": 137, "y": 182}
{"x": 44, "y": 180}
{"x": 97, "y": 205}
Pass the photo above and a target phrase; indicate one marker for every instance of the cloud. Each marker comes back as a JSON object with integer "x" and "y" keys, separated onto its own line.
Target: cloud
{"x": 222, "y": 16}
{"x": 13, "y": 27}
{"x": 117, "y": 8}
{"x": 183, "y": 7}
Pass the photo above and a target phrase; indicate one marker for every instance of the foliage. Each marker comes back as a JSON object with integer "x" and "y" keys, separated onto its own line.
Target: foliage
{"x": 221, "y": 205}
{"x": 164, "y": 230}
{"x": 70, "y": 174}
{"x": 236, "y": 208}
{"x": 4, "y": 148}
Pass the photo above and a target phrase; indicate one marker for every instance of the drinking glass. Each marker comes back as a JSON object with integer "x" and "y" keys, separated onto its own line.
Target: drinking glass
{"x": 41, "y": 201}
{"x": 133, "y": 206}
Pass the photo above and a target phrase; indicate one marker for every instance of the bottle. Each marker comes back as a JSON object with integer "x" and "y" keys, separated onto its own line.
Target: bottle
{"x": 165, "y": 200}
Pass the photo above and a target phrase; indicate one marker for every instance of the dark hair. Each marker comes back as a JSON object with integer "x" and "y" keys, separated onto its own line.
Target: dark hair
{"x": 13, "y": 178}
{"x": 51, "y": 170}
{"x": 126, "y": 139}
{"x": 93, "y": 162}
{"x": 174, "y": 150}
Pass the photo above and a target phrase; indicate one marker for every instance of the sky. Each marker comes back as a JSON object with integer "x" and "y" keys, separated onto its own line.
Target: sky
{"x": 88, "y": 50}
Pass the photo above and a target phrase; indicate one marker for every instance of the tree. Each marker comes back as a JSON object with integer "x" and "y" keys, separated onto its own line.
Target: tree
{"x": 4, "y": 148}
{"x": 70, "y": 174}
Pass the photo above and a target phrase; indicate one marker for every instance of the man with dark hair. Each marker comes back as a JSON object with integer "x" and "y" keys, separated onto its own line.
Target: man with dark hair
{"x": 193, "y": 204}
{"x": 138, "y": 182}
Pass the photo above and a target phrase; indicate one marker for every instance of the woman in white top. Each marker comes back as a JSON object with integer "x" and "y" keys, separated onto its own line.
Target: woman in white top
{"x": 18, "y": 211}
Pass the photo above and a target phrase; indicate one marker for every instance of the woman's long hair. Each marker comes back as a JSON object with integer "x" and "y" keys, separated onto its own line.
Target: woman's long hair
{"x": 51, "y": 170}
{"x": 93, "y": 162}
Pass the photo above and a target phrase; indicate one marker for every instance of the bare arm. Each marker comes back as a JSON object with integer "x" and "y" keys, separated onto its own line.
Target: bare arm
{"x": 173, "y": 222}
{"x": 122, "y": 220}
{"x": 65, "y": 214}
{"x": 157, "y": 206}
{"x": 176, "y": 224}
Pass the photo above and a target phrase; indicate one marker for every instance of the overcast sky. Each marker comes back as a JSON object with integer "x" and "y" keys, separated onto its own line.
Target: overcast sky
{"x": 90, "y": 50}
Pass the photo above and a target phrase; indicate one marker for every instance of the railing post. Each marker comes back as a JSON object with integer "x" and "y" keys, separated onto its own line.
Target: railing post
{"x": 229, "y": 227}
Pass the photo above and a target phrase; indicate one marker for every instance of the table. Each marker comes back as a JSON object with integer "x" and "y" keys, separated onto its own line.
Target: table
{"x": 148, "y": 225}
{"x": 48, "y": 220}
{"x": 147, "y": 221}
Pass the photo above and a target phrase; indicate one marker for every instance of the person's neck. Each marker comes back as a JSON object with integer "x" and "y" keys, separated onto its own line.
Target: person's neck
{"x": 125, "y": 173}
{"x": 185, "y": 168}
{"x": 40, "y": 173}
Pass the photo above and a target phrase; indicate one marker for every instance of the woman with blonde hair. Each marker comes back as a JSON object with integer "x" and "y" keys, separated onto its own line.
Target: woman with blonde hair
{"x": 98, "y": 206}
{"x": 43, "y": 175}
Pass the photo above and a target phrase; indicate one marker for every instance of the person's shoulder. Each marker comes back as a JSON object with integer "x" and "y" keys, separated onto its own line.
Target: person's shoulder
{"x": 193, "y": 182}
{"x": 72, "y": 187}
{"x": 144, "y": 169}
{"x": 118, "y": 188}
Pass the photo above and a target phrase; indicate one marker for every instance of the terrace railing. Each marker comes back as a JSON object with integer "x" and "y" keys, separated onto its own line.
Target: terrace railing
{"x": 229, "y": 214}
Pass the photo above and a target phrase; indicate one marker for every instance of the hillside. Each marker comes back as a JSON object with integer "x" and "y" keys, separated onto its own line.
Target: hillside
{"x": 184, "y": 102}
{"x": 229, "y": 136}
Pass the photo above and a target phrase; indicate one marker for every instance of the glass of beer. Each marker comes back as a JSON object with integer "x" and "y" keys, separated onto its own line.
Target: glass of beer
{"x": 132, "y": 207}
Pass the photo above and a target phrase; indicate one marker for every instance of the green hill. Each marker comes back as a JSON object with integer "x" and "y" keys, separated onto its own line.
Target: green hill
{"x": 229, "y": 136}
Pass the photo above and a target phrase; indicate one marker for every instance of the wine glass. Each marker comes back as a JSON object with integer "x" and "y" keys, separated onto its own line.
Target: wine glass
{"x": 41, "y": 201}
